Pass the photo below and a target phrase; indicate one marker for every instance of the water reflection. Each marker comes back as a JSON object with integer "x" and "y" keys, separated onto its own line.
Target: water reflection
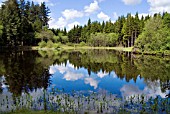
{"x": 23, "y": 72}
{"x": 84, "y": 70}
{"x": 149, "y": 91}
{"x": 66, "y": 76}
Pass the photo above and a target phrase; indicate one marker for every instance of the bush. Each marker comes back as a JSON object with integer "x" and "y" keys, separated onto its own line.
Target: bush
{"x": 57, "y": 45}
{"x": 82, "y": 43}
{"x": 49, "y": 44}
{"x": 42, "y": 44}
{"x": 167, "y": 52}
{"x": 69, "y": 44}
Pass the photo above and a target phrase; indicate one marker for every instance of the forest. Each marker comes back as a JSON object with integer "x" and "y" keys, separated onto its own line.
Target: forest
{"x": 24, "y": 23}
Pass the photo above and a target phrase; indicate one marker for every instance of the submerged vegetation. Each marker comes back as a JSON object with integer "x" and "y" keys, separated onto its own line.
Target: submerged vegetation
{"x": 76, "y": 102}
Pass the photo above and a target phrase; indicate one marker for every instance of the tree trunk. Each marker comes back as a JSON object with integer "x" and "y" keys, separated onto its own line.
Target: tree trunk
{"x": 132, "y": 39}
{"x": 135, "y": 37}
{"x": 128, "y": 43}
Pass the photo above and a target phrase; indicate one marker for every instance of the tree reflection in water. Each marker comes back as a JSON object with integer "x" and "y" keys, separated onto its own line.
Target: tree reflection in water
{"x": 29, "y": 70}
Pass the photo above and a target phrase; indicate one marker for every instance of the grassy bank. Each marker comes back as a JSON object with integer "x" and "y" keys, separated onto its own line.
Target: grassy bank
{"x": 89, "y": 47}
{"x": 79, "y": 46}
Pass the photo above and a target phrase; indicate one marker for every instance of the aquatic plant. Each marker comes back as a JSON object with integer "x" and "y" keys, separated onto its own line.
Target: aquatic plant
{"x": 76, "y": 102}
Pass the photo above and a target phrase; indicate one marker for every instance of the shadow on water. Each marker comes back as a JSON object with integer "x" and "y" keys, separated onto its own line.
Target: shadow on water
{"x": 25, "y": 75}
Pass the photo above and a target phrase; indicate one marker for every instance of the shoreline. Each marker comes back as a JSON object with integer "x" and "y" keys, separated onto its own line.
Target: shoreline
{"x": 77, "y": 47}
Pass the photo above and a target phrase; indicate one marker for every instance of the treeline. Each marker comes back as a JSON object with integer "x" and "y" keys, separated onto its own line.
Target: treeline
{"x": 20, "y": 21}
{"x": 123, "y": 32}
{"x": 149, "y": 33}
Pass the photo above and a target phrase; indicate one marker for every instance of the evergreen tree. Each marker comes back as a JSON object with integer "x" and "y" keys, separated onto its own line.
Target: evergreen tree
{"x": 44, "y": 14}
{"x": 127, "y": 31}
{"x": 166, "y": 19}
{"x": 118, "y": 29}
{"x": 12, "y": 22}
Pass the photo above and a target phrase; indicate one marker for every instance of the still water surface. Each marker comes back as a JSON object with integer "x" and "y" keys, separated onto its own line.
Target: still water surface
{"x": 82, "y": 71}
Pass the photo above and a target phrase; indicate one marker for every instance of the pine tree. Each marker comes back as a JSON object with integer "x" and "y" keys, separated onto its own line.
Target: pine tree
{"x": 127, "y": 31}
{"x": 44, "y": 14}
{"x": 103, "y": 26}
{"x": 118, "y": 25}
{"x": 12, "y": 22}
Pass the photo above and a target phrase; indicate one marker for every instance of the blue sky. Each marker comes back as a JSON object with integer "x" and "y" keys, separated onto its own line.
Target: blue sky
{"x": 67, "y": 13}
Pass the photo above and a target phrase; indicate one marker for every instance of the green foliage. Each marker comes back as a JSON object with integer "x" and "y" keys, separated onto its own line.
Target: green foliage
{"x": 1, "y": 30}
{"x": 126, "y": 29}
{"x": 56, "y": 45}
{"x": 103, "y": 39}
{"x": 75, "y": 34}
{"x": 49, "y": 44}
{"x": 82, "y": 43}
{"x": 61, "y": 38}
{"x": 97, "y": 40}
{"x": 155, "y": 36}
{"x": 44, "y": 35}
{"x": 24, "y": 23}
{"x": 112, "y": 39}
{"x": 20, "y": 20}
{"x": 69, "y": 44}
{"x": 42, "y": 44}
{"x": 166, "y": 19}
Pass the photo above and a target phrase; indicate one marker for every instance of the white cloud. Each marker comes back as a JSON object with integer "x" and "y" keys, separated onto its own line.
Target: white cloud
{"x": 114, "y": 75}
{"x": 131, "y": 2}
{"x": 62, "y": 69}
{"x": 60, "y": 23}
{"x": 1, "y": 2}
{"x": 71, "y": 66}
{"x": 71, "y": 76}
{"x": 157, "y": 6}
{"x": 52, "y": 69}
{"x": 92, "y": 82}
{"x": 130, "y": 90}
{"x": 92, "y": 7}
{"x": 152, "y": 90}
{"x": 103, "y": 16}
{"x": 101, "y": 74}
{"x": 113, "y": 21}
{"x": 141, "y": 14}
{"x": 67, "y": 15}
{"x": 71, "y": 14}
{"x": 115, "y": 16}
{"x": 71, "y": 25}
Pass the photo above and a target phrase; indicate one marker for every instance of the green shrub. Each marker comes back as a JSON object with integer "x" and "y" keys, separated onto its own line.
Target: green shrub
{"x": 82, "y": 43}
{"x": 42, "y": 44}
{"x": 167, "y": 52}
{"x": 69, "y": 44}
{"x": 57, "y": 45}
{"x": 49, "y": 44}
